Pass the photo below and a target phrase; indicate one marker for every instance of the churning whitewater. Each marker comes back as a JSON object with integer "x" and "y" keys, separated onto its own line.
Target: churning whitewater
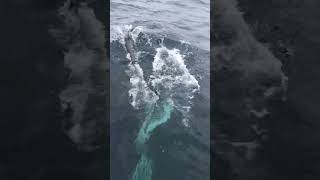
{"x": 169, "y": 87}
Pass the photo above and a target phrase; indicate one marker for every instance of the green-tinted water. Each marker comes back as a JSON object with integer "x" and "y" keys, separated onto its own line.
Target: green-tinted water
{"x": 155, "y": 116}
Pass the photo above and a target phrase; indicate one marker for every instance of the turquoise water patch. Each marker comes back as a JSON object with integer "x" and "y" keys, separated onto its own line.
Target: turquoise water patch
{"x": 157, "y": 115}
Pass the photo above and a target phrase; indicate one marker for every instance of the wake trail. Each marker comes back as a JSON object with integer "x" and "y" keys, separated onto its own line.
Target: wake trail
{"x": 170, "y": 87}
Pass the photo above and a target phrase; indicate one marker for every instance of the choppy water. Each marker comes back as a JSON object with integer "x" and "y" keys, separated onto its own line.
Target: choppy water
{"x": 160, "y": 90}
{"x": 187, "y": 20}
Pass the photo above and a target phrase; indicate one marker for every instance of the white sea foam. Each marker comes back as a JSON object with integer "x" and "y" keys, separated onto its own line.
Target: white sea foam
{"x": 170, "y": 87}
{"x": 170, "y": 79}
{"x": 140, "y": 93}
{"x": 118, "y": 33}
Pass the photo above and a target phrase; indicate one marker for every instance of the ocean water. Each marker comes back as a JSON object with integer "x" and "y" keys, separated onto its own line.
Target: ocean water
{"x": 160, "y": 101}
{"x": 185, "y": 20}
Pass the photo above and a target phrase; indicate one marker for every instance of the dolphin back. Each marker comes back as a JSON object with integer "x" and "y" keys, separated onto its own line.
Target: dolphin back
{"x": 130, "y": 46}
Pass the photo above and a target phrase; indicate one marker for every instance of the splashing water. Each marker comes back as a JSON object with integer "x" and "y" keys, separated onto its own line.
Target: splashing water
{"x": 170, "y": 87}
{"x": 140, "y": 93}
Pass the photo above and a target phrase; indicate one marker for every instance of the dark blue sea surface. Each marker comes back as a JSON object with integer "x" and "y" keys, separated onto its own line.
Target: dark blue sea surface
{"x": 160, "y": 102}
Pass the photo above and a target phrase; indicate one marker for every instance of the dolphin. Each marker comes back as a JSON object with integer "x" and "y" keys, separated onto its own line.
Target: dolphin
{"x": 130, "y": 46}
